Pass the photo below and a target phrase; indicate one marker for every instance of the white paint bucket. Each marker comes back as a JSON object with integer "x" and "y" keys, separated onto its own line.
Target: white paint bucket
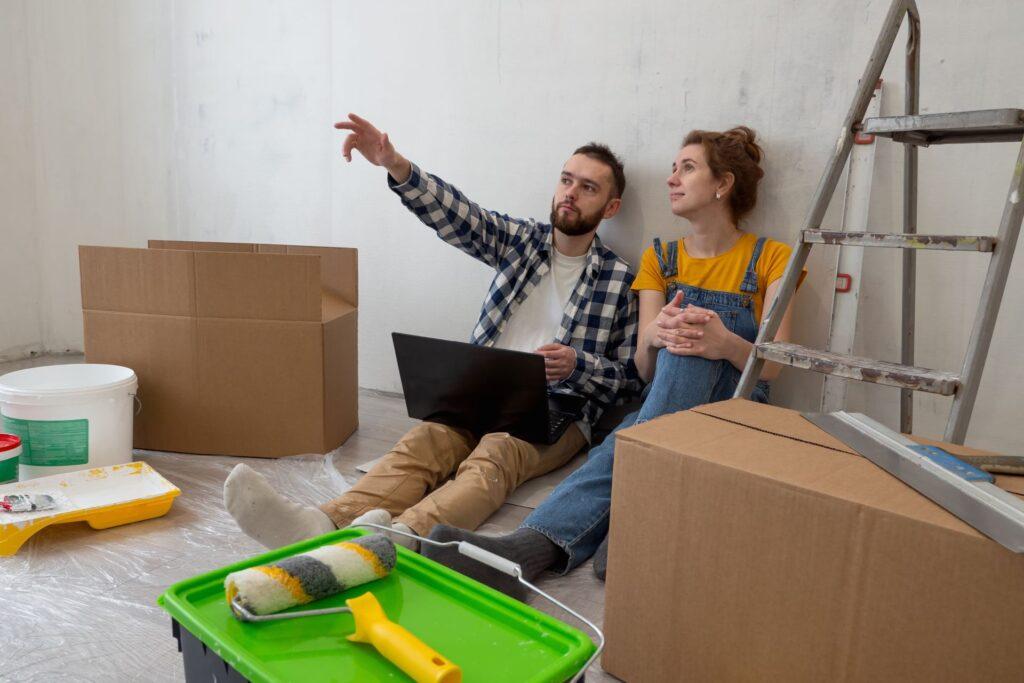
{"x": 69, "y": 417}
{"x": 10, "y": 451}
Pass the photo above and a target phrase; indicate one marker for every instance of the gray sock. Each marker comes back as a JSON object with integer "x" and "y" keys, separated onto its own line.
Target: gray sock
{"x": 532, "y": 550}
{"x": 601, "y": 559}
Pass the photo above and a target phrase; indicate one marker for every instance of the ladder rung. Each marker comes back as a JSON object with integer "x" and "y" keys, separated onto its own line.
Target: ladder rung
{"x": 901, "y": 240}
{"x": 987, "y": 125}
{"x": 860, "y": 369}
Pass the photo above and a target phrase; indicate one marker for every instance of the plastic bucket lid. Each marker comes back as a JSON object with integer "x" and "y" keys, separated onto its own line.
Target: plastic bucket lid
{"x": 8, "y": 442}
{"x": 63, "y": 384}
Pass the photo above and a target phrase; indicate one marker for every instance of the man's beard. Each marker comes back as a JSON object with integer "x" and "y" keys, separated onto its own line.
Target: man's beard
{"x": 574, "y": 224}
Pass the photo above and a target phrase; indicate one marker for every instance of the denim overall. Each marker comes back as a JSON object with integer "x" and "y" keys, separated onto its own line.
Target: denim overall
{"x": 575, "y": 515}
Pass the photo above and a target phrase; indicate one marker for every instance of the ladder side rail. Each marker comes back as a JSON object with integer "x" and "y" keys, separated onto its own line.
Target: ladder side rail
{"x": 908, "y": 316}
{"x": 991, "y": 297}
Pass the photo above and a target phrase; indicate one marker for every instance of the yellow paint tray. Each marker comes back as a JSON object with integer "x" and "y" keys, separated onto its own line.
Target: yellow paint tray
{"x": 102, "y": 497}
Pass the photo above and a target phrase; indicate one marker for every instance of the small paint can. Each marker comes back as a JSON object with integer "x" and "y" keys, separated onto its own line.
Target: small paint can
{"x": 10, "y": 451}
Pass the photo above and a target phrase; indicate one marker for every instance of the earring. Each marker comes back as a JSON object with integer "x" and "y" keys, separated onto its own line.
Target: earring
{"x": 718, "y": 196}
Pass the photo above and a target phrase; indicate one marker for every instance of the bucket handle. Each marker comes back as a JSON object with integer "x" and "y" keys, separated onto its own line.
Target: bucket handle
{"x": 506, "y": 567}
{"x": 138, "y": 404}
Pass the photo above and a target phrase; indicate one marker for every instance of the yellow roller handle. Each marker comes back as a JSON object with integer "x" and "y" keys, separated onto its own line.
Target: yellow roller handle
{"x": 401, "y": 648}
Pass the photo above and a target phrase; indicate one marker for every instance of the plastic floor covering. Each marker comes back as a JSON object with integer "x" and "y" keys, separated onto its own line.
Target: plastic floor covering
{"x": 77, "y": 604}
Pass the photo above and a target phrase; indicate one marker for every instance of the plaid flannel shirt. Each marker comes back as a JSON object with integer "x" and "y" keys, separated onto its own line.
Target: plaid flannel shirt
{"x": 600, "y": 320}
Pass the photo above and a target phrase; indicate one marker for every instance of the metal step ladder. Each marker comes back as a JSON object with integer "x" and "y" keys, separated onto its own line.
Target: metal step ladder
{"x": 913, "y": 130}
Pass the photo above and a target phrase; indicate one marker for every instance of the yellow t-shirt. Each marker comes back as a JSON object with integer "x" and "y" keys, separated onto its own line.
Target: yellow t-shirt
{"x": 723, "y": 273}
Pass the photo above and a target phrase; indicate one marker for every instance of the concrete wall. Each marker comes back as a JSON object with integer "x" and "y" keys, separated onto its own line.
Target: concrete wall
{"x": 199, "y": 120}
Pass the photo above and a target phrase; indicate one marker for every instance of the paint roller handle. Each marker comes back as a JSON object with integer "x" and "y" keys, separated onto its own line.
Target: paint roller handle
{"x": 410, "y": 654}
{"x": 996, "y": 464}
{"x": 490, "y": 559}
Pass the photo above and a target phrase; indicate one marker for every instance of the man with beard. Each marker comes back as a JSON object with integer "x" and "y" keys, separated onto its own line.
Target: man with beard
{"x": 557, "y": 292}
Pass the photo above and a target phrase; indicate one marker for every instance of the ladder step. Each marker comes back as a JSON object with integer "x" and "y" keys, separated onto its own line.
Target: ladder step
{"x": 860, "y": 369}
{"x": 901, "y": 240}
{"x": 986, "y": 125}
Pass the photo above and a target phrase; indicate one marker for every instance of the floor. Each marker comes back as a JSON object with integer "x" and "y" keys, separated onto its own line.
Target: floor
{"x": 80, "y": 604}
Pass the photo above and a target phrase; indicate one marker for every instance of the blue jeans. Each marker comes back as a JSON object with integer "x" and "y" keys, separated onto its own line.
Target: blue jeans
{"x": 575, "y": 515}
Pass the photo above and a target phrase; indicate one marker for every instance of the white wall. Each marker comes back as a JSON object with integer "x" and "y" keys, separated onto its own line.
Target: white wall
{"x": 20, "y": 322}
{"x": 204, "y": 120}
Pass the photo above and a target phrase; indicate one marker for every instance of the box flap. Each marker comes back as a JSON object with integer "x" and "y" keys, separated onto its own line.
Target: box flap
{"x": 772, "y": 420}
{"x": 202, "y": 246}
{"x": 137, "y": 281}
{"x": 257, "y": 286}
{"x": 333, "y": 307}
{"x": 779, "y": 444}
{"x": 790, "y": 423}
{"x": 339, "y": 269}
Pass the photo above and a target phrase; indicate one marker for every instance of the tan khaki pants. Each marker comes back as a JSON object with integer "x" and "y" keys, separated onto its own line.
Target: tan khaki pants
{"x": 411, "y": 483}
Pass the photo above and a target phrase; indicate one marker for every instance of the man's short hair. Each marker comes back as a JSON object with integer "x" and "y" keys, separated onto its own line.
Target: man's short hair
{"x": 599, "y": 152}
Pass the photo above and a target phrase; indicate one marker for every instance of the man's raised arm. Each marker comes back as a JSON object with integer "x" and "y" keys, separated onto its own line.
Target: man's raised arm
{"x": 485, "y": 235}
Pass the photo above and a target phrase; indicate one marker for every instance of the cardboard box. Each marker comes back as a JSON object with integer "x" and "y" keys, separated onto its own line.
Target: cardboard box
{"x": 749, "y": 545}
{"x": 240, "y": 349}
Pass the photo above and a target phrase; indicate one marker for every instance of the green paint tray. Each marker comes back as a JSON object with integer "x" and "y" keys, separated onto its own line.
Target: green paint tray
{"x": 490, "y": 636}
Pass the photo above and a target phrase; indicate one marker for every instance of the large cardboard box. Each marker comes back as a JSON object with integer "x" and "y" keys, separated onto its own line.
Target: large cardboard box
{"x": 240, "y": 349}
{"x": 749, "y": 545}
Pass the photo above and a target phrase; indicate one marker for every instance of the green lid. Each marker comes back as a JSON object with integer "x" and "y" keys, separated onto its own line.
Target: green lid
{"x": 492, "y": 637}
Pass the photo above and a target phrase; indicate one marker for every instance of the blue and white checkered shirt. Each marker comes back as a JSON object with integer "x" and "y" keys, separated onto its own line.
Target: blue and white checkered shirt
{"x": 600, "y": 320}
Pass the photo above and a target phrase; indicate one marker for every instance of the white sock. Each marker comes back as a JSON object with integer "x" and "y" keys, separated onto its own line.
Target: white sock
{"x": 265, "y": 515}
{"x": 383, "y": 518}
{"x": 410, "y": 543}
{"x": 378, "y": 517}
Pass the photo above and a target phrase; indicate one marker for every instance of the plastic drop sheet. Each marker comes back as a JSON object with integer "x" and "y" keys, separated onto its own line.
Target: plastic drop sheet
{"x": 79, "y": 604}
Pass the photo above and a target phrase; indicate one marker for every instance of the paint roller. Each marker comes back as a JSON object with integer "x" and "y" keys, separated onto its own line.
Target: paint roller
{"x": 320, "y": 573}
{"x": 257, "y": 593}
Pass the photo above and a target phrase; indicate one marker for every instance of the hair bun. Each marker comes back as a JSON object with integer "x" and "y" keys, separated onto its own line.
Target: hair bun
{"x": 735, "y": 151}
{"x": 747, "y": 137}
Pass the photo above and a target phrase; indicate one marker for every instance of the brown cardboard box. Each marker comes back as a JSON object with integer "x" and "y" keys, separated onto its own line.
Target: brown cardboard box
{"x": 240, "y": 349}
{"x": 747, "y": 544}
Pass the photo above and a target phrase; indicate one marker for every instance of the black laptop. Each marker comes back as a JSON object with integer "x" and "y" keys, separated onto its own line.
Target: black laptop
{"x": 482, "y": 389}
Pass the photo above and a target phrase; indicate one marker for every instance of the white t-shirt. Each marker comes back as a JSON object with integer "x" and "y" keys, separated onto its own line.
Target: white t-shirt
{"x": 536, "y": 321}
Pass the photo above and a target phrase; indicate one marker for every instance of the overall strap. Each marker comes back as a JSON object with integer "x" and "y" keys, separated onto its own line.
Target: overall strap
{"x": 749, "y": 283}
{"x": 669, "y": 263}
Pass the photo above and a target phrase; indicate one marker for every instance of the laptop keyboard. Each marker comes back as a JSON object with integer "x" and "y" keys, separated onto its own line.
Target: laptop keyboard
{"x": 557, "y": 422}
